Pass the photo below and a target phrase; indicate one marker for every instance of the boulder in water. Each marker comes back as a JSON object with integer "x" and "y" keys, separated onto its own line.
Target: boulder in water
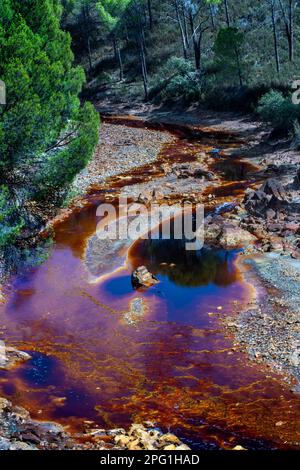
{"x": 141, "y": 277}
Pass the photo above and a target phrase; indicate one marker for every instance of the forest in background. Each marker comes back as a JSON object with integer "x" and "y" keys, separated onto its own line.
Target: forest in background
{"x": 226, "y": 54}
{"x": 56, "y": 54}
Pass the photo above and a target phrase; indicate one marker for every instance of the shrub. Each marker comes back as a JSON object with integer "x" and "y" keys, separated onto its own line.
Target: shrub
{"x": 179, "y": 82}
{"x": 10, "y": 223}
{"x": 278, "y": 110}
{"x": 62, "y": 164}
{"x": 236, "y": 98}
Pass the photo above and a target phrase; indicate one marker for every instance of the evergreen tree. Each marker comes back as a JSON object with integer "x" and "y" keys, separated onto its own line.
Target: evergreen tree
{"x": 42, "y": 125}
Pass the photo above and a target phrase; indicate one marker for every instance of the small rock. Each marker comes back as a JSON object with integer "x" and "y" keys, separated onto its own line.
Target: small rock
{"x": 170, "y": 447}
{"x": 122, "y": 440}
{"x": 141, "y": 277}
{"x": 183, "y": 447}
{"x": 115, "y": 432}
{"x": 134, "y": 445}
{"x": 4, "y": 443}
{"x": 171, "y": 438}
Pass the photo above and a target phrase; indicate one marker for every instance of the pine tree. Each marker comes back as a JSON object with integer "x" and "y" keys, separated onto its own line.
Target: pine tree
{"x": 42, "y": 124}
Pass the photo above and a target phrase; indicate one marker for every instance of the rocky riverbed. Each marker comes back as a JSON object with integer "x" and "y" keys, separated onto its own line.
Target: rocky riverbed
{"x": 120, "y": 149}
{"x": 19, "y": 432}
{"x": 270, "y": 328}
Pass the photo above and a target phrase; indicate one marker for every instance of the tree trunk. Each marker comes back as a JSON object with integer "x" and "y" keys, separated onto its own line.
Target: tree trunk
{"x": 183, "y": 37}
{"x": 197, "y": 57}
{"x": 118, "y": 57}
{"x": 120, "y": 64}
{"x": 227, "y": 13}
{"x": 87, "y": 32}
{"x": 196, "y": 44}
{"x": 212, "y": 17}
{"x": 238, "y": 63}
{"x": 115, "y": 47}
{"x": 288, "y": 17}
{"x": 276, "y": 51}
{"x": 144, "y": 73}
{"x": 150, "y": 14}
{"x": 291, "y": 31}
{"x": 185, "y": 28}
{"x": 142, "y": 54}
{"x": 90, "y": 53}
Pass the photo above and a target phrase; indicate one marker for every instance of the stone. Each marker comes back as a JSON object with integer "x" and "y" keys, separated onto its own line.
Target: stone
{"x": 4, "y": 443}
{"x": 170, "y": 447}
{"x": 135, "y": 428}
{"x": 192, "y": 170}
{"x": 141, "y": 277}
{"x": 114, "y": 432}
{"x": 31, "y": 437}
{"x": 239, "y": 448}
{"x": 295, "y": 254}
{"x": 170, "y": 438}
{"x": 271, "y": 214}
{"x": 234, "y": 236}
{"x": 122, "y": 440}
{"x": 183, "y": 447}
{"x": 276, "y": 244}
{"x": 137, "y": 310}
{"x": 292, "y": 227}
{"x": 10, "y": 356}
{"x": 134, "y": 445}
{"x": 274, "y": 188}
{"x": 271, "y": 195}
{"x": 4, "y": 404}
{"x": 19, "y": 445}
{"x": 212, "y": 232}
{"x": 21, "y": 412}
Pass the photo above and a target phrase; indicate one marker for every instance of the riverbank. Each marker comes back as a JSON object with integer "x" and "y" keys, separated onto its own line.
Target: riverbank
{"x": 120, "y": 149}
{"x": 269, "y": 328}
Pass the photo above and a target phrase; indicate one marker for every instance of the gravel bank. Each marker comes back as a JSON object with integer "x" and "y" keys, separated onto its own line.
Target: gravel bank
{"x": 120, "y": 149}
{"x": 270, "y": 329}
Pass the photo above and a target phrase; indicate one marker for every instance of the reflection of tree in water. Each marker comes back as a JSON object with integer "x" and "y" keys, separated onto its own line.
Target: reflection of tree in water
{"x": 19, "y": 259}
{"x": 189, "y": 268}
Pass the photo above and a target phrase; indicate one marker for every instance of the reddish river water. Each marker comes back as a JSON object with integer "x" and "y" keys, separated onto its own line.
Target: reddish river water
{"x": 174, "y": 365}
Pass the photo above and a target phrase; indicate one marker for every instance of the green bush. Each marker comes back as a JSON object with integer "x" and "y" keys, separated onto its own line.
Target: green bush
{"x": 10, "y": 222}
{"x": 278, "y": 110}
{"x": 185, "y": 88}
{"x": 179, "y": 82}
{"x": 63, "y": 163}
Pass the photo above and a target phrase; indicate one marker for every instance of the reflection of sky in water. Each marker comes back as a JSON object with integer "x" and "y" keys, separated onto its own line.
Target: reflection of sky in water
{"x": 188, "y": 280}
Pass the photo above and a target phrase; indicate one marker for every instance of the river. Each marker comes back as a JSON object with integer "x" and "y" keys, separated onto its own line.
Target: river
{"x": 97, "y": 355}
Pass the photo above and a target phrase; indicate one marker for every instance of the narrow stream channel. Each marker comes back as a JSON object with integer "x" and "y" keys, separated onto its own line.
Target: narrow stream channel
{"x": 95, "y": 356}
